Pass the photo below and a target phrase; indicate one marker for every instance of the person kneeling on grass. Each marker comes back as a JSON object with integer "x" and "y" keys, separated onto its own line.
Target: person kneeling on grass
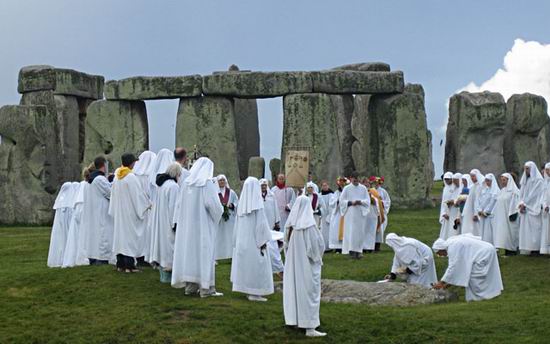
{"x": 304, "y": 247}
{"x": 413, "y": 258}
{"x": 473, "y": 264}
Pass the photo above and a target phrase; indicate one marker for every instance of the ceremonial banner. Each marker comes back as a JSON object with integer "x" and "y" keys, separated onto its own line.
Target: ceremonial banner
{"x": 296, "y": 168}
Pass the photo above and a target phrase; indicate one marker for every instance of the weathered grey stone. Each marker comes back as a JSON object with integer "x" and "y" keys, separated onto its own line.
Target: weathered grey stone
{"x": 366, "y": 67}
{"x": 275, "y": 168}
{"x": 256, "y": 167}
{"x": 310, "y": 120}
{"x": 209, "y": 123}
{"x": 247, "y": 133}
{"x": 400, "y": 138}
{"x": 257, "y": 84}
{"x": 475, "y": 133}
{"x": 414, "y": 88}
{"x": 115, "y": 127}
{"x": 61, "y": 81}
{"x": 525, "y": 139}
{"x": 154, "y": 87}
{"x": 343, "y": 110}
{"x": 67, "y": 114}
{"x": 361, "y": 148}
{"x": 353, "y": 82}
{"x": 29, "y": 158}
{"x": 380, "y": 294}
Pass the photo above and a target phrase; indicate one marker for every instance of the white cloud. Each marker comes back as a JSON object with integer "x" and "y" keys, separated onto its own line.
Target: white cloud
{"x": 526, "y": 69}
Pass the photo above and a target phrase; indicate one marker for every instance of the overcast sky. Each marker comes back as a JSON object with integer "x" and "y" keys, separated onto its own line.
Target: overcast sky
{"x": 446, "y": 46}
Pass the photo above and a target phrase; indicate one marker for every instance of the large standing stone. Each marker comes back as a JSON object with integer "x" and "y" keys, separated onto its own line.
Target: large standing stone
{"x": 311, "y": 121}
{"x": 257, "y": 84}
{"x": 475, "y": 133}
{"x": 209, "y": 123}
{"x": 115, "y": 127}
{"x": 66, "y": 110}
{"x": 256, "y": 167}
{"x": 399, "y": 144}
{"x": 154, "y": 87}
{"x": 247, "y": 133}
{"x": 361, "y": 148}
{"x": 60, "y": 81}
{"x": 29, "y": 158}
{"x": 526, "y": 131}
{"x": 348, "y": 81}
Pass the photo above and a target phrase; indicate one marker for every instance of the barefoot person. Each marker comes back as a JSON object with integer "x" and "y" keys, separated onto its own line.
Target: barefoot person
{"x": 304, "y": 247}
{"x": 473, "y": 264}
{"x": 412, "y": 258}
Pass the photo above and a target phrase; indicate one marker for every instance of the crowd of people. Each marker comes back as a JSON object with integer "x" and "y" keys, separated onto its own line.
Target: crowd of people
{"x": 152, "y": 211}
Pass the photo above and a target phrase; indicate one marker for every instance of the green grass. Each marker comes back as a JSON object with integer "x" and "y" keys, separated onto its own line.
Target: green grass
{"x": 97, "y": 305}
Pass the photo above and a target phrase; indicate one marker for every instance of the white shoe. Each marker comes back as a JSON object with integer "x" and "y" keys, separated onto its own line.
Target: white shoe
{"x": 256, "y": 298}
{"x": 310, "y": 332}
{"x": 214, "y": 294}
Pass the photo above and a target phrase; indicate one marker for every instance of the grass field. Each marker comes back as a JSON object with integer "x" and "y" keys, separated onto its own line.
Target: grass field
{"x": 97, "y": 305}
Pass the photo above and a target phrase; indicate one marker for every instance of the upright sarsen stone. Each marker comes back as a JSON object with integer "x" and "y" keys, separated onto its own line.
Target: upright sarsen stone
{"x": 29, "y": 160}
{"x": 115, "y": 127}
{"x": 475, "y": 133}
{"x": 247, "y": 131}
{"x": 209, "y": 123}
{"x": 399, "y": 146}
{"x": 312, "y": 121}
{"x": 526, "y": 132}
{"x": 256, "y": 167}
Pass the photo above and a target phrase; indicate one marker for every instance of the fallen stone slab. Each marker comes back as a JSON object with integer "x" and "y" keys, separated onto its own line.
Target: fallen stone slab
{"x": 61, "y": 81}
{"x": 154, "y": 87}
{"x": 355, "y": 82}
{"x": 257, "y": 84}
{"x": 380, "y": 294}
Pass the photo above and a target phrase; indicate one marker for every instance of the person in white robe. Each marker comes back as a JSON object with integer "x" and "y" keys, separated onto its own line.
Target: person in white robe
{"x": 450, "y": 217}
{"x": 304, "y": 247}
{"x": 336, "y": 234}
{"x": 129, "y": 208}
{"x": 144, "y": 169}
{"x": 225, "y": 237}
{"x": 530, "y": 214}
{"x": 505, "y": 219}
{"x": 63, "y": 207}
{"x": 354, "y": 206}
{"x": 373, "y": 219}
{"x": 198, "y": 216}
{"x": 487, "y": 201}
{"x": 162, "y": 217}
{"x": 273, "y": 219}
{"x": 180, "y": 155}
{"x": 75, "y": 253}
{"x": 387, "y": 206}
{"x": 470, "y": 218}
{"x": 473, "y": 264}
{"x": 545, "y": 203}
{"x": 313, "y": 196}
{"x": 251, "y": 272}
{"x": 412, "y": 258}
{"x": 284, "y": 196}
{"x": 97, "y": 223}
{"x": 325, "y": 197}
{"x": 447, "y": 201}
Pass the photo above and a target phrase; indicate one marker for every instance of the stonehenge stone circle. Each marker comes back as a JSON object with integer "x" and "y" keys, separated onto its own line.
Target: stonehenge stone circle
{"x": 333, "y": 113}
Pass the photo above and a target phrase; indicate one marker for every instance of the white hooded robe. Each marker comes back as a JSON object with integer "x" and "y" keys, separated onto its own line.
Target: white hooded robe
{"x": 355, "y": 217}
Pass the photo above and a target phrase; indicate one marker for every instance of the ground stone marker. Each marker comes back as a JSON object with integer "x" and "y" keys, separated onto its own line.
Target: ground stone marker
{"x": 475, "y": 133}
{"x": 380, "y": 294}
{"x": 115, "y": 127}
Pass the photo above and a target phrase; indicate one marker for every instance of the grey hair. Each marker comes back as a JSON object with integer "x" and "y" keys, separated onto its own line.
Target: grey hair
{"x": 174, "y": 170}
